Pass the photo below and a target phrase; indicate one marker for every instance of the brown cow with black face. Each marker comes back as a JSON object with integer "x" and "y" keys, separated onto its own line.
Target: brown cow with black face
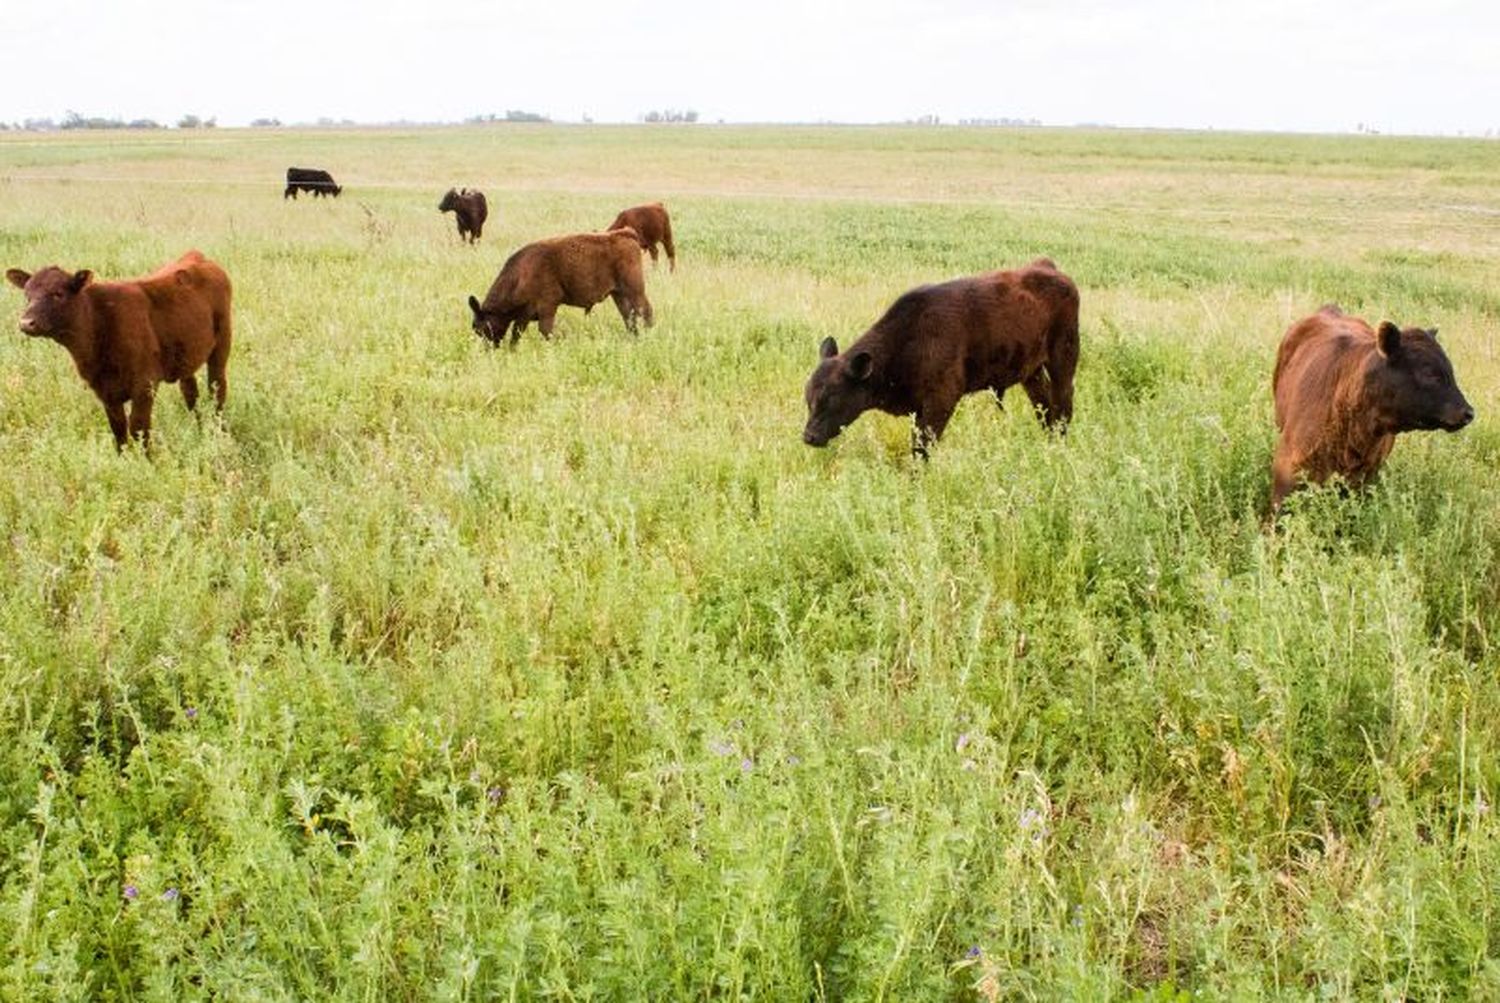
{"x": 937, "y": 343}
{"x": 126, "y": 337}
{"x": 577, "y": 270}
{"x": 469, "y": 208}
{"x": 1344, "y": 391}
{"x": 652, "y": 226}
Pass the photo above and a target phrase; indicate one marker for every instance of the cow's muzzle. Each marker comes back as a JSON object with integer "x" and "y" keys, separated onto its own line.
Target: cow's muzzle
{"x": 1460, "y": 419}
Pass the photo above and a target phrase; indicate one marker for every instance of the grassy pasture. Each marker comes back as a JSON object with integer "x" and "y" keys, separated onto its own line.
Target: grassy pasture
{"x": 437, "y": 672}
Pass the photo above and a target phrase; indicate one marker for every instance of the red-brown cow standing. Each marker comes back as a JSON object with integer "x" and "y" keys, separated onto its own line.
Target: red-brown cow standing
{"x": 652, "y": 227}
{"x": 1344, "y": 391}
{"x": 126, "y": 337}
{"x": 577, "y": 270}
{"x": 937, "y": 343}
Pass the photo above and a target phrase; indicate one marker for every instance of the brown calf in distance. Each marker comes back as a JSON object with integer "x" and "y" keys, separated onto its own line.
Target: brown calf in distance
{"x": 937, "y": 343}
{"x": 469, "y": 208}
{"x": 126, "y": 337}
{"x": 1344, "y": 391}
{"x": 653, "y": 226}
{"x": 577, "y": 270}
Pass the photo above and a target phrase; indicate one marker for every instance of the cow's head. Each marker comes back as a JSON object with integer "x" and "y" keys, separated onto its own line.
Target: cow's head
{"x": 450, "y": 201}
{"x": 337, "y": 189}
{"x": 51, "y": 299}
{"x": 838, "y": 391}
{"x": 489, "y": 326}
{"x": 1414, "y": 388}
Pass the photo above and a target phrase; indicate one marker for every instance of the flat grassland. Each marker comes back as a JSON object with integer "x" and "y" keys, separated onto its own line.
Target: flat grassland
{"x": 434, "y": 671}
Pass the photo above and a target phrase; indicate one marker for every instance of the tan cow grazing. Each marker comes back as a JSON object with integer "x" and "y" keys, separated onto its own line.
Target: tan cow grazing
{"x": 126, "y": 337}
{"x": 577, "y": 270}
{"x": 653, "y": 226}
{"x": 1344, "y": 391}
{"x": 937, "y": 343}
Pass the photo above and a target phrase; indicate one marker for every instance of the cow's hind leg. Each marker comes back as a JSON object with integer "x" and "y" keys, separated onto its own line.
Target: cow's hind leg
{"x": 1038, "y": 388}
{"x": 628, "y": 308}
{"x": 116, "y": 415}
{"x": 189, "y": 384}
{"x": 218, "y": 365}
{"x": 1062, "y": 363}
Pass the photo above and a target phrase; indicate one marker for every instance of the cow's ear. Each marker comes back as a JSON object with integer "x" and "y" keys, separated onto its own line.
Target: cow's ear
{"x": 17, "y": 277}
{"x": 474, "y": 305}
{"x": 1388, "y": 338}
{"x": 828, "y": 349}
{"x": 860, "y": 365}
{"x": 81, "y": 278}
{"x": 1433, "y": 332}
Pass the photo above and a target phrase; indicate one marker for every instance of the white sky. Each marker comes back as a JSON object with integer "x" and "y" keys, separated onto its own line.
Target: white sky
{"x": 1420, "y": 66}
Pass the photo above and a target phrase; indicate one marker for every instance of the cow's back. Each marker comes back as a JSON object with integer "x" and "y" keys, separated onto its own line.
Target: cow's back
{"x": 1318, "y": 360}
{"x": 988, "y": 330}
{"x": 189, "y": 303}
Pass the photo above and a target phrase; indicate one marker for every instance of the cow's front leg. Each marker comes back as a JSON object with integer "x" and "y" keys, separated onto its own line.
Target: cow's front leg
{"x": 140, "y": 417}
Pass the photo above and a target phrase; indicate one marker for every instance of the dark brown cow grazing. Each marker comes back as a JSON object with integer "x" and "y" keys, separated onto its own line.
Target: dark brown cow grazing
{"x": 126, "y": 337}
{"x": 939, "y": 342}
{"x": 469, "y": 208}
{"x": 578, "y": 270}
{"x": 1343, "y": 392}
{"x": 309, "y": 179}
{"x": 653, "y": 226}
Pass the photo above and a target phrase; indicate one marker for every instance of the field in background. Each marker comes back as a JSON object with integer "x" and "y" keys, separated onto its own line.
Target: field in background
{"x": 568, "y": 672}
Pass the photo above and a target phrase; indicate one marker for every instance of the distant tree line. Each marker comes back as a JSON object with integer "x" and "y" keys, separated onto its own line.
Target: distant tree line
{"x": 670, "y": 115}
{"x": 73, "y": 120}
{"x": 1005, "y": 122}
{"x": 513, "y": 115}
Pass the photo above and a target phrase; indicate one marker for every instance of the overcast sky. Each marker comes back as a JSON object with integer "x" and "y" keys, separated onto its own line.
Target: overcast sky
{"x": 1423, "y": 66}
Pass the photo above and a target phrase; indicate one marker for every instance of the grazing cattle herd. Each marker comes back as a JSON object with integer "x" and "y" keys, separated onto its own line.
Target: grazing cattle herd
{"x": 1342, "y": 390}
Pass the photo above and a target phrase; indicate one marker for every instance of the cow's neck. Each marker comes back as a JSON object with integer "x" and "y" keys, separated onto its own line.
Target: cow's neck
{"x": 82, "y": 338}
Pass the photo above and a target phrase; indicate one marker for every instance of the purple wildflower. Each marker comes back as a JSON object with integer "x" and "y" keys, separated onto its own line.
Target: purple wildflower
{"x": 192, "y": 713}
{"x": 170, "y": 895}
{"x": 962, "y": 743}
{"x": 132, "y": 892}
{"x": 973, "y": 952}
{"x": 495, "y": 794}
{"x": 747, "y": 764}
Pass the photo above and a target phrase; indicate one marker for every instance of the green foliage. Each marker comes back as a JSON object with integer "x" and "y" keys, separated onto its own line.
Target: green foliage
{"x": 434, "y": 671}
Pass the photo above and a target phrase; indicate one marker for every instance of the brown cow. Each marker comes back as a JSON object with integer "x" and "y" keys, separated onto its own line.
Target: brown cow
{"x": 1343, "y": 392}
{"x": 469, "y": 208}
{"x": 577, "y": 270}
{"x": 939, "y": 342}
{"x": 126, "y": 337}
{"x": 653, "y": 226}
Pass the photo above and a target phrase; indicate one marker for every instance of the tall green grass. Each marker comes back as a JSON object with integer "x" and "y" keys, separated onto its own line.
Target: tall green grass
{"x": 433, "y": 671}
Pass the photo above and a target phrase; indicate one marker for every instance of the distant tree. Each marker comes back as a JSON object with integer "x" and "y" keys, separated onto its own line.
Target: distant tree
{"x": 525, "y": 116}
{"x": 266, "y": 123}
{"x": 39, "y": 125}
{"x": 194, "y": 122}
{"x": 668, "y": 115}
